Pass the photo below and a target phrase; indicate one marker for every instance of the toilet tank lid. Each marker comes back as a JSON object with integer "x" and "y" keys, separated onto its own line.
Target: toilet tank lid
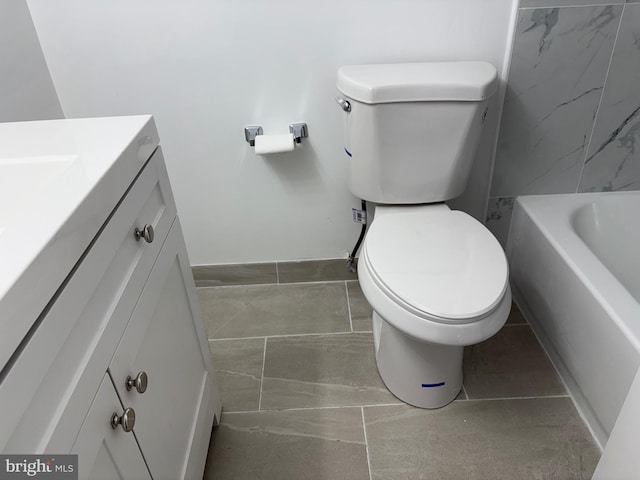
{"x": 418, "y": 82}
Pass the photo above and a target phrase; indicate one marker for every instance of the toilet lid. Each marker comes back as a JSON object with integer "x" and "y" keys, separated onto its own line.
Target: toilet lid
{"x": 437, "y": 262}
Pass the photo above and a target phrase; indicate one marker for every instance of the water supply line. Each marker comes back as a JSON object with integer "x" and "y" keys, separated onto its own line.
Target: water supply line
{"x": 351, "y": 260}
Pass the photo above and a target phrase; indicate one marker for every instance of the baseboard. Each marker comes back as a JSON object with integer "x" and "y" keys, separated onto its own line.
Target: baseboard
{"x": 272, "y": 273}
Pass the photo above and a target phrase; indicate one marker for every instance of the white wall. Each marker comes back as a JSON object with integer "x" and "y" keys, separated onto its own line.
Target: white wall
{"x": 26, "y": 91}
{"x": 205, "y": 69}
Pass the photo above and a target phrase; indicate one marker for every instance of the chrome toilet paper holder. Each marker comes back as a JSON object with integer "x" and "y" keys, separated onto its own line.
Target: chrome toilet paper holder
{"x": 251, "y": 132}
{"x": 299, "y": 131}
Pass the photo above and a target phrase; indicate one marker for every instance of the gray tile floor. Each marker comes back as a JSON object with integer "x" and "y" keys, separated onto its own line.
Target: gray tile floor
{"x": 302, "y": 398}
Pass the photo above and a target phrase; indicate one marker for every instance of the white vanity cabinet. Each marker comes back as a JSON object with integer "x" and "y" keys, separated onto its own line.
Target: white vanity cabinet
{"x": 128, "y": 307}
{"x": 164, "y": 343}
{"x": 165, "y": 340}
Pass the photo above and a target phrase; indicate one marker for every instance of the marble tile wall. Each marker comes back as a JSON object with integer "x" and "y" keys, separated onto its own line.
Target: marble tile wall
{"x": 612, "y": 161}
{"x": 572, "y": 109}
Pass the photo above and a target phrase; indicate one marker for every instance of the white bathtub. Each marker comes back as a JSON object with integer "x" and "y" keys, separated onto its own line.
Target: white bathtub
{"x": 575, "y": 273}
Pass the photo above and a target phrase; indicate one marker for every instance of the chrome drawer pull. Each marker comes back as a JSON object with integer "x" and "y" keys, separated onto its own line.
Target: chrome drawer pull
{"x": 127, "y": 420}
{"x": 139, "y": 383}
{"x": 146, "y": 233}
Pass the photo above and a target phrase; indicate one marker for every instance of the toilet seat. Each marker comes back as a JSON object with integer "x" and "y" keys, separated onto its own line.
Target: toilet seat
{"x": 436, "y": 262}
{"x": 435, "y": 273}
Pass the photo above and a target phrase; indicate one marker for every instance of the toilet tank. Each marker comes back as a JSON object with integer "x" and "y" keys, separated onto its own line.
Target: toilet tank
{"x": 411, "y": 129}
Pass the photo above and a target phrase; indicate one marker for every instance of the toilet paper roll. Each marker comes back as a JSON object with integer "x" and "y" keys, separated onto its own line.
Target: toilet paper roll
{"x": 266, "y": 144}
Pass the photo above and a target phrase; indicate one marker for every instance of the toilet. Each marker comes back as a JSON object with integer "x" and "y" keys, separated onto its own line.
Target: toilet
{"x": 436, "y": 278}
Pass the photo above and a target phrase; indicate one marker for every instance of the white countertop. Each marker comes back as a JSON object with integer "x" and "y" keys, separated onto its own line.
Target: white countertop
{"x": 59, "y": 181}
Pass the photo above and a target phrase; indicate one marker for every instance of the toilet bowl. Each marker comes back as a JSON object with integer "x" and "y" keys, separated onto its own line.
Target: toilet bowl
{"x": 437, "y": 280}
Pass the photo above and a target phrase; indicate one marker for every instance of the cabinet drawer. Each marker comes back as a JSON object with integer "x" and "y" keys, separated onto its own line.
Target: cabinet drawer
{"x": 54, "y": 379}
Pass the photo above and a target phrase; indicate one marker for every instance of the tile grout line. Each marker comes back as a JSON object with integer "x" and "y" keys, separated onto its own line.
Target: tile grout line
{"x": 346, "y": 289}
{"x": 397, "y": 404}
{"x": 277, "y": 274}
{"x": 531, "y": 397}
{"x": 366, "y": 442}
{"x": 287, "y": 336}
{"x": 264, "y": 358}
{"x": 298, "y": 409}
{"x": 277, "y": 282}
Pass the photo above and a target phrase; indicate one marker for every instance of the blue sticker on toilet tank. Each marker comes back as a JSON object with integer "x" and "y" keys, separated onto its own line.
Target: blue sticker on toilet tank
{"x": 348, "y": 152}
{"x": 431, "y": 385}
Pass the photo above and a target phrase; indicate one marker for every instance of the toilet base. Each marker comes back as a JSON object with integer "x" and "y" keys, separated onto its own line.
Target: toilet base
{"x": 422, "y": 374}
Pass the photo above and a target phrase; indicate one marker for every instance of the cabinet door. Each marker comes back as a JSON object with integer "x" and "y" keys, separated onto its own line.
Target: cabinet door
{"x": 104, "y": 452}
{"x": 165, "y": 339}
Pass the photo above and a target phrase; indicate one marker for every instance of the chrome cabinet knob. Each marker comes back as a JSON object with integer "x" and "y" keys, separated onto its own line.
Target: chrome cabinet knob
{"x": 344, "y": 104}
{"x": 146, "y": 233}
{"x": 139, "y": 383}
{"x": 127, "y": 420}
